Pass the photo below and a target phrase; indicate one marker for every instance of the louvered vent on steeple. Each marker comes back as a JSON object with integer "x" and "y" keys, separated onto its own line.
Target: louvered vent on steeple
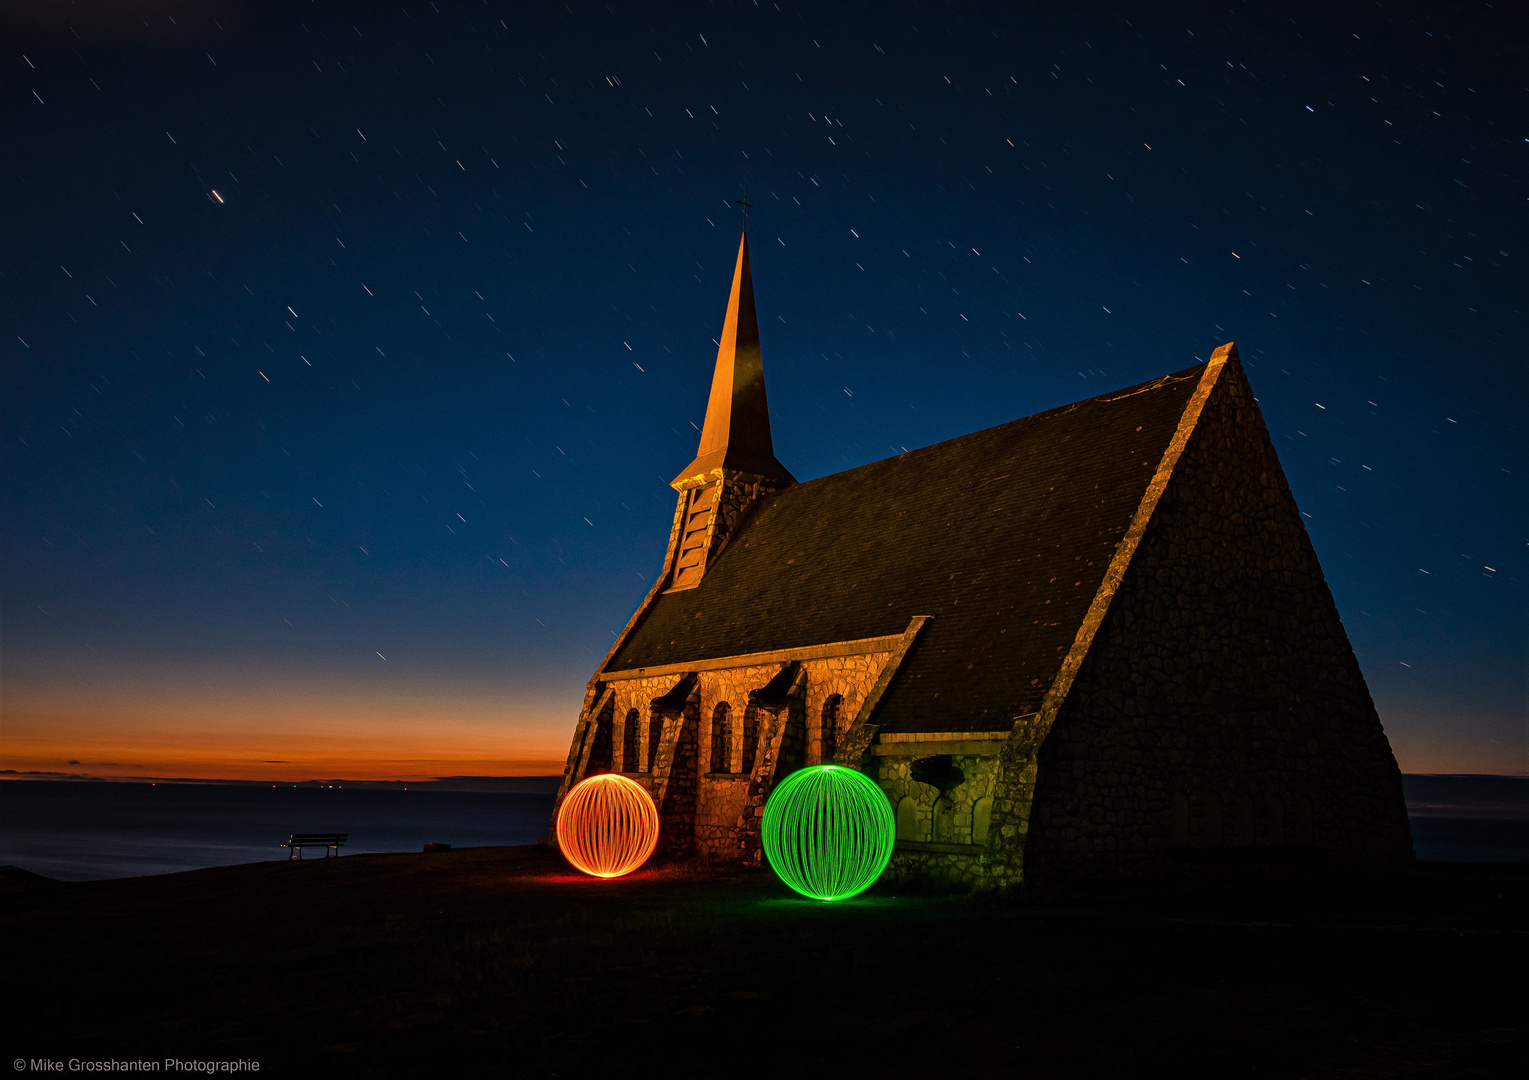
{"x": 735, "y": 462}
{"x": 702, "y": 504}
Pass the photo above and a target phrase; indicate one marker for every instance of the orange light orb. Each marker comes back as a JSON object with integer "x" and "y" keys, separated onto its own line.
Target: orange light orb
{"x": 607, "y": 825}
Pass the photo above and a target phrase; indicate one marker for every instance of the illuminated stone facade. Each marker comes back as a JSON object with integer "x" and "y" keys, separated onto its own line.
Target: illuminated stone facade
{"x": 1086, "y": 646}
{"x": 710, "y": 768}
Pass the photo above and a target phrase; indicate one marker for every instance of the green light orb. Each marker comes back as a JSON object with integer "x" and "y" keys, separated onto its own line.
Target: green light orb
{"x": 828, "y": 831}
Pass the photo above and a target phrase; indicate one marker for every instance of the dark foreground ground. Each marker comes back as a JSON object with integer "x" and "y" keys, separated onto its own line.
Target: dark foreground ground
{"x": 500, "y": 961}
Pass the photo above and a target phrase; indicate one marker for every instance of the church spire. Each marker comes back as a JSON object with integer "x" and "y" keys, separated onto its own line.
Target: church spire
{"x": 736, "y": 435}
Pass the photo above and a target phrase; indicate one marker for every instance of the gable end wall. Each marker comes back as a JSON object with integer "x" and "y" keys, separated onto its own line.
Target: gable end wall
{"x": 1220, "y": 709}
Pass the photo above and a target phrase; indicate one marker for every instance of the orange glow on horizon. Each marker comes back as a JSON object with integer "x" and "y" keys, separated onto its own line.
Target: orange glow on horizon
{"x": 143, "y": 721}
{"x": 1429, "y": 742}
{"x": 164, "y": 724}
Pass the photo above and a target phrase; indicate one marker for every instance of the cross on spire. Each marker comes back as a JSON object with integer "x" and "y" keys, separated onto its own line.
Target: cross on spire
{"x": 744, "y": 202}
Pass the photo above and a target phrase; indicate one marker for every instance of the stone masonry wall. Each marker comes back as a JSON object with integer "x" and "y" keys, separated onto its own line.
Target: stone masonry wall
{"x": 896, "y": 779}
{"x": 723, "y": 799}
{"x": 782, "y": 749}
{"x": 678, "y": 771}
{"x": 738, "y": 491}
{"x": 715, "y": 793}
{"x": 1221, "y": 708}
{"x": 934, "y": 827}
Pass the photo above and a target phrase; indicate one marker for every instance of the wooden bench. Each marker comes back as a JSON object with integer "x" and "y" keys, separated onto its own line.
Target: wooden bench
{"x": 300, "y": 840}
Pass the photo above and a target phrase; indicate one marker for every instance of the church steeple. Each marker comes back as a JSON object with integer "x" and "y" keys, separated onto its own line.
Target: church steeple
{"x": 736, "y": 435}
{"x": 735, "y": 463}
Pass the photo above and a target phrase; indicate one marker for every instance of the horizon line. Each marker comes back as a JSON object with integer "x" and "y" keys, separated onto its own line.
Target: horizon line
{"x": 14, "y": 774}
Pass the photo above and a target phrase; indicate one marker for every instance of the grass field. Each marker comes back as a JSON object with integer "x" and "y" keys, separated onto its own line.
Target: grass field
{"x": 500, "y": 961}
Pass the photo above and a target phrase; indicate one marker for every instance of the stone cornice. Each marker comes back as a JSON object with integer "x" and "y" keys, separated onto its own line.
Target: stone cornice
{"x": 858, "y": 647}
{"x": 940, "y": 736}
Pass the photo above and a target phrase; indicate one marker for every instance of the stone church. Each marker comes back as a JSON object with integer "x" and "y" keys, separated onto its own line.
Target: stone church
{"x": 1090, "y": 644}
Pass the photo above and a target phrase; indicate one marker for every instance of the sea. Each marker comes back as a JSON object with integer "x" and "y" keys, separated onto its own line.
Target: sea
{"x": 85, "y": 830}
{"x": 77, "y": 830}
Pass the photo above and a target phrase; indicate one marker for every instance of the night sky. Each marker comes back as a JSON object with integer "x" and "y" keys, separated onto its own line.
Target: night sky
{"x": 348, "y": 348}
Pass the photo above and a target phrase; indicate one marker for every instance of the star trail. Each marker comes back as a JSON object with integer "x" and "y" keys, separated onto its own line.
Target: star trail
{"x": 348, "y": 348}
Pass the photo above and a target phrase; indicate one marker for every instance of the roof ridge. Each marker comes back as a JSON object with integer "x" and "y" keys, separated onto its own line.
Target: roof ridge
{"x": 1057, "y": 410}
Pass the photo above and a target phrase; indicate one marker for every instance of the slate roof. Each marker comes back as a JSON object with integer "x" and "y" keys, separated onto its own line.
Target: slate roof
{"x": 1002, "y": 535}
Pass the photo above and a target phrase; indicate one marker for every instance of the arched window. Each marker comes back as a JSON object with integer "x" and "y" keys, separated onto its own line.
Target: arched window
{"x": 722, "y": 738}
{"x": 629, "y": 735}
{"x": 944, "y": 820}
{"x": 982, "y": 815}
{"x": 655, "y": 737}
{"x": 750, "y": 739}
{"x": 907, "y": 818}
{"x": 829, "y": 730}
